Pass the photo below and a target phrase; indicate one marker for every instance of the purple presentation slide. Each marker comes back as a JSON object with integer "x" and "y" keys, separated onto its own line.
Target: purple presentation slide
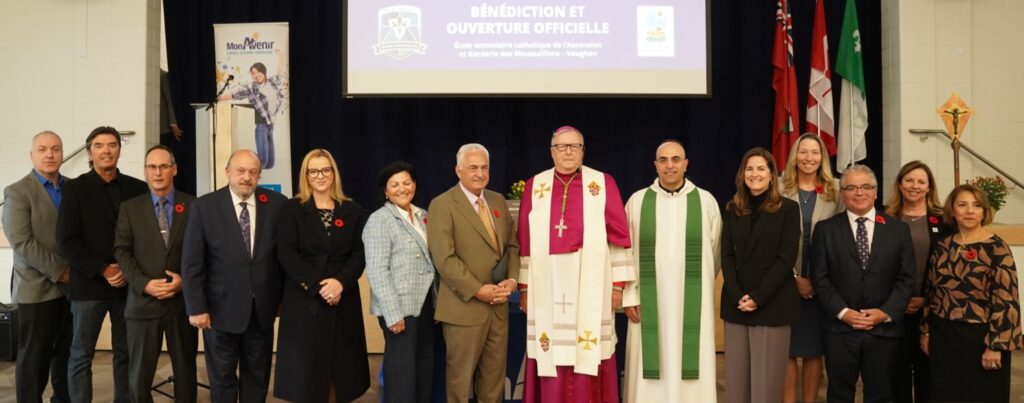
{"x": 461, "y": 35}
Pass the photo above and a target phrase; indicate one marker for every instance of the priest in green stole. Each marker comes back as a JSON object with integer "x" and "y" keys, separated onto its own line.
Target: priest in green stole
{"x": 675, "y": 226}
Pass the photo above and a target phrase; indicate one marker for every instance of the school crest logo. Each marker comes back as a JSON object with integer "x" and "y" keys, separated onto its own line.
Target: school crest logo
{"x": 399, "y": 32}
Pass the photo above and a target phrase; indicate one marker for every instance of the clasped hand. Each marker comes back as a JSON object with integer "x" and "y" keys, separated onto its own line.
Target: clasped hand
{"x": 496, "y": 294}
{"x": 330, "y": 291}
{"x": 162, "y": 288}
{"x": 864, "y": 319}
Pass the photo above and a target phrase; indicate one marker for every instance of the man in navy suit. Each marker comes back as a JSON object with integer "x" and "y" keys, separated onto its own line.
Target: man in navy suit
{"x": 232, "y": 281}
{"x": 863, "y": 273}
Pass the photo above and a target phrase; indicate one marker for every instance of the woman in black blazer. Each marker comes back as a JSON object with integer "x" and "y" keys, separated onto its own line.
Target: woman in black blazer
{"x": 321, "y": 346}
{"x": 915, "y": 201}
{"x": 760, "y": 238}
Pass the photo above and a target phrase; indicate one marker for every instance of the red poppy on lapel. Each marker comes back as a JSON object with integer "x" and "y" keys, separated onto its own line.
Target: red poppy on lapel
{"x": 179, "y": 208}
{"x": 819, "y": 190}
{"x": 879, "y": 219}
{"x": 339, "y": 223}
{"x": 496, "y": 213}
{"x": 933, "y": 220}
{"x": 424, "y": 220}
{"x": 971, "y": 255}
{"x": 262, "y": 198}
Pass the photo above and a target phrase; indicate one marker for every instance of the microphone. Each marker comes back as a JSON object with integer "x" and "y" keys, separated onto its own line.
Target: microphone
{"x": 230, "y": 77}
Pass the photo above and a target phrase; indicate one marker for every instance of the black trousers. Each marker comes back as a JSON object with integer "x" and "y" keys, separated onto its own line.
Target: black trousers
{"x": 859, "y": 354}
{"x": 44, "y": 340}
{"x": 145, "y": 340}
{"x": 409, "y": 358}
{"x": 956, "y": 371}
{"x": 238, "y": 364}
{"x": 910, "y": 384}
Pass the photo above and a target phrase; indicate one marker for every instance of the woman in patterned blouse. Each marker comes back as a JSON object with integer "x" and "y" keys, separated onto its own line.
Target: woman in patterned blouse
{"x": 971, "y": 322}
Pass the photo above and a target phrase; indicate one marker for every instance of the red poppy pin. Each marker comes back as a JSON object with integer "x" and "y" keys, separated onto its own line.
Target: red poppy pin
{"x": 819, "y": 190}
{"x": 933, "y": 220}
{"x": 879, "y": 219}
{"x": 179, "y": 208}
{"x": 339, "y": 223}
{"x": 424, "y": 220}
{"x": 263, "y": 198}
{"x": 496, "y": 213}
{"x": 971, "y": 255}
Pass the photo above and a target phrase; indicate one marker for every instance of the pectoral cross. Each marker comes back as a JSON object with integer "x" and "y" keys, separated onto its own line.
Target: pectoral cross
{"x": 561, "y": 226}
{"x": 563, "y": 303}
{"x": 587, "y": 341}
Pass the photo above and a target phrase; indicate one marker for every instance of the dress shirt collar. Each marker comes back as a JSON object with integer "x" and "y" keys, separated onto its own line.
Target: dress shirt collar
{"x": 853, "y": 217}
{"x": 472, "y": 197}
{"x": 235, "y": 199}
{"x": 44, "y": 181}
{"x": 156, "y": 198}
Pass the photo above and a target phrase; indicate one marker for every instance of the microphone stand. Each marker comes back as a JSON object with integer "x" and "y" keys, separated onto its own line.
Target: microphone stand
{"x": 213, "y": 131}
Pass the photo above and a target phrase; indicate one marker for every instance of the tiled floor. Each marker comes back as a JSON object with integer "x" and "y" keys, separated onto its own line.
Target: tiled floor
{"x": 103, "y": 391}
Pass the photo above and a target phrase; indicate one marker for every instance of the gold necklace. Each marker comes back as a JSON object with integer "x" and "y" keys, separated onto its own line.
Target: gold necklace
{"x": 565, "y": 196}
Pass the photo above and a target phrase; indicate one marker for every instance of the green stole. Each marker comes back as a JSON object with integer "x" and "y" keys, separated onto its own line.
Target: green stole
{"x": 692, "y": 286}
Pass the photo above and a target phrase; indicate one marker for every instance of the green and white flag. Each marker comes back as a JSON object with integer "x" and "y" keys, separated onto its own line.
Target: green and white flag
{"x": 853, "y": 104}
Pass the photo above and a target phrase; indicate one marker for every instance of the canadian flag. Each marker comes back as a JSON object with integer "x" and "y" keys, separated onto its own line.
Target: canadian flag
{"x": 820, "y": 118}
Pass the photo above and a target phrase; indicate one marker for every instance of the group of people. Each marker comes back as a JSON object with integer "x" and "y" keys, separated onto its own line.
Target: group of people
{"x": 919, "y": 302}
{"x": 921, "y": 298}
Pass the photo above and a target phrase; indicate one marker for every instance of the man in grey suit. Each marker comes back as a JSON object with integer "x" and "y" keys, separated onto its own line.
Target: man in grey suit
{"x": 147, "y": 245}
{"x": 40, "y": 274}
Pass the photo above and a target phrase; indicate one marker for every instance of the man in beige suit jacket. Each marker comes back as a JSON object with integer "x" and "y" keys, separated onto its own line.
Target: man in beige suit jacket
{"x": 473, "y": 244}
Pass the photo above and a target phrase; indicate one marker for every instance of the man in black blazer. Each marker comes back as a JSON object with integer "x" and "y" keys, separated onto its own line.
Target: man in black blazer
{"x": 85, "y": 237}
{"x": 863, "y": 273}
{"x": 232, "y": 280}
{"x": 147, "y": 245}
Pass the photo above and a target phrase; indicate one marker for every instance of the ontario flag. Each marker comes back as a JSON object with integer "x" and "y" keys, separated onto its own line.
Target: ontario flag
{"x": 784, "y": 129}
{"x": 820, "y": 118}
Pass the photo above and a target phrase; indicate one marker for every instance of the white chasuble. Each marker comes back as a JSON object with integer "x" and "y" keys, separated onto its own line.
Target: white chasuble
{"x": 569, "y": 318}
{"x": 671, "y": 211}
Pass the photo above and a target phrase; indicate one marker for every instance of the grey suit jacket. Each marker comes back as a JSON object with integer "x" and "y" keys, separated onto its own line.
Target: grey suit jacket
{"x": 398, "y": 264}
{"x": 30, "y": 223}
{"x": 140, "y": 250}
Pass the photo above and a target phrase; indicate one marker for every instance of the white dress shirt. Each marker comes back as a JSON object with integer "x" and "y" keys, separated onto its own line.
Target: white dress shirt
{"x": 870, "y": 225}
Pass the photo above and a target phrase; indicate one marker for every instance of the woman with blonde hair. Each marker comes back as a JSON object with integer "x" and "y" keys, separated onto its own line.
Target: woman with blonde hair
{"x": 915, "y": 201}
{"x": 321, "y": 347}
{"x": 807, "y": 180}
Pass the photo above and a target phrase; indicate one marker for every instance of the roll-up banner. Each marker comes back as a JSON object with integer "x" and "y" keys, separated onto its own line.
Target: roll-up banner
{"x": 257, "y": 56}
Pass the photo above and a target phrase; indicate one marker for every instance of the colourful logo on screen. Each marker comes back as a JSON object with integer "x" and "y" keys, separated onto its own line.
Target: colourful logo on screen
{"x": 399, "y": 32}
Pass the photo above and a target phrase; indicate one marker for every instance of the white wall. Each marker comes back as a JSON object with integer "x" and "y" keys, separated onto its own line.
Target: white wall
{"x": 69, "y": 66}
{"x": 934, "y": 47}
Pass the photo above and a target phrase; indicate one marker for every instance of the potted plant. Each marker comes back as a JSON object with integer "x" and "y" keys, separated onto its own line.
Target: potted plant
{"x": 994, "y": 187}
{"x": 514, "y": 197}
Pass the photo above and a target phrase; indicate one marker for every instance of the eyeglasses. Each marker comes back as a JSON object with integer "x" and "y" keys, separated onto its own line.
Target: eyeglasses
{"x": 161, "y": 167}
{"x": 862, "y": 188}
{"x": 562, "y": 147}
{"x": 328, "y": 171}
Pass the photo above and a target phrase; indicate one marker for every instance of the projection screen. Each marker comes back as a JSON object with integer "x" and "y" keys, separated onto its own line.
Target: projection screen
{"x": 526, "y": 48}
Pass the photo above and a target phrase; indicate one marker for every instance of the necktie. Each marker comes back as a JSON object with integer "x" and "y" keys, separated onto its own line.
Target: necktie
{"x": 243, "y": 222}
{"x": 161, "y": 219}
{"x": 862, "y": 243}
{"x": 486, "y": 219}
